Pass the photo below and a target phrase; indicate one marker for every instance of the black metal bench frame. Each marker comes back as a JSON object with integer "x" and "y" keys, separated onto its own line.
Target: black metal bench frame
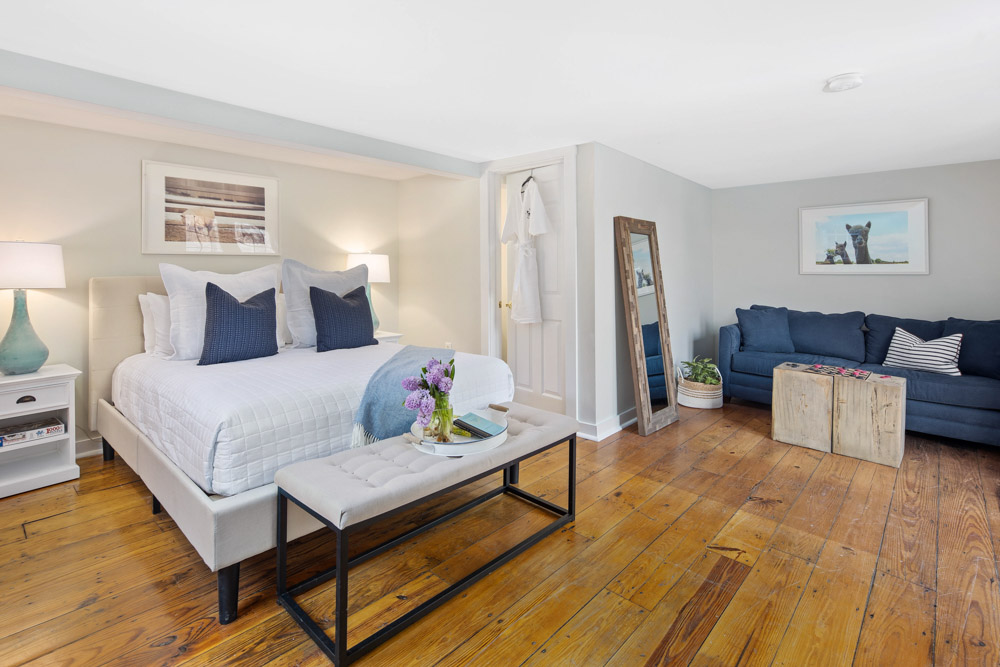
{"x": 336, "y": 649}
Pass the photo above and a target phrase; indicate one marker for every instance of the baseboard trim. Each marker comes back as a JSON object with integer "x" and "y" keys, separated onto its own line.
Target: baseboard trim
{"x": 88, "y": 447}
{"x": 607, "y": 427}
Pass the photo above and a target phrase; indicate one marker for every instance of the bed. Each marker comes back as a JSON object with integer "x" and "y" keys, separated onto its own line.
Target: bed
{"x": 206, "y": 441}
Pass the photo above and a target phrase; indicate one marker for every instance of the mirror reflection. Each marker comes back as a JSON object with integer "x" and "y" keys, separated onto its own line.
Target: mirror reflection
{"x": 649, "y": 320}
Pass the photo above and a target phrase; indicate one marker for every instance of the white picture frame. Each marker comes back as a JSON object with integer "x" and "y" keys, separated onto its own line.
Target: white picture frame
{"x": 871, "y": 238}
{"x": 195, "y": 210}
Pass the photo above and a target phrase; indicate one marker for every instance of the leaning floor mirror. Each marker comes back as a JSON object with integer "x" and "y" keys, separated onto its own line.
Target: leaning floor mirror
{"x": 646, "y": 320}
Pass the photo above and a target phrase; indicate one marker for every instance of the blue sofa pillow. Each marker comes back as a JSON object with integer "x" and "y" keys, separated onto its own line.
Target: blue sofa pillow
{"x": 831, "y": 335}
{"x": 237, "y": 331}
{"x": 882, "y": 327}
{"x": 651, "y": 339}
{"x": 980, "y": 353}
{"x": 342, "y": 322}
{"x": 765, "y": 330}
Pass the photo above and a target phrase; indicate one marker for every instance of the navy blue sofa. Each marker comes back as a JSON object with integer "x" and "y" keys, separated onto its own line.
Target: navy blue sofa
{"x": 966, "y": 407}
{"x": 654, "y": 362}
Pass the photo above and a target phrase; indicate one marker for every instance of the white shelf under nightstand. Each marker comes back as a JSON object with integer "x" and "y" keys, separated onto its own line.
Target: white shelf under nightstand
{"x": 387, "y": 336}
{"x": 49, "y": 392}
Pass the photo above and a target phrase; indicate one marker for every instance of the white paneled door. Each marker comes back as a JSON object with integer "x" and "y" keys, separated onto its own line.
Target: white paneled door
{"x": 536, "y": 353}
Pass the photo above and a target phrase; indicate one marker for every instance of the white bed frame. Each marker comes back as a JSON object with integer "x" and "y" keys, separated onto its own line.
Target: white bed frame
{"x": 224, "y": 530}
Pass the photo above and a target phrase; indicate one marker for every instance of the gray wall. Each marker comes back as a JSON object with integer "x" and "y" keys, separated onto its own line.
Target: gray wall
{"x": 755, "y": 245}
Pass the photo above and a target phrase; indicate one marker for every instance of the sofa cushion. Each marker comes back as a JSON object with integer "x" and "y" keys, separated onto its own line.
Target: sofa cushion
{"x": 765, "y": 330}
{"x": 827, "y": 334}
{"x": 654, "y": 365}
{"x": 882, "y": 327}
{"x": 651, "y": 339}
{"x": 980, "y": 353}
{"x": 763, "y": 363}
{"x": 968, "y": 391}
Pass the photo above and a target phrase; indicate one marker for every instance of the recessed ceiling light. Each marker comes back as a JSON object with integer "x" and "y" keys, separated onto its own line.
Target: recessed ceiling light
{"x": 842, "y": 82}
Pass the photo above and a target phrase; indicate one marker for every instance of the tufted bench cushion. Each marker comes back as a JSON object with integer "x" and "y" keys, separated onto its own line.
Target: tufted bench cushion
{"x": 359, "y": 484}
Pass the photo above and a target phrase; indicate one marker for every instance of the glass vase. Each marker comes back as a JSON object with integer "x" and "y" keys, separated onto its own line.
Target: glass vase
{"x": 442, "y": 421}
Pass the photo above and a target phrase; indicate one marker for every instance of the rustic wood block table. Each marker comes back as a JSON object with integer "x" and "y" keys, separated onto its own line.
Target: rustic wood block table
{"x": 802, "y": 407}
{"x": 869, "y": 418}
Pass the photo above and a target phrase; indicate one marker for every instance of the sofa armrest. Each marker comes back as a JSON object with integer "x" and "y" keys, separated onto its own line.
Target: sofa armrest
{"x": 730, "y": 339}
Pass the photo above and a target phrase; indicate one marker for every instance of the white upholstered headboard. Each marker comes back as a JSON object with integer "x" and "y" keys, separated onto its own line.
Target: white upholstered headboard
{"x": 115, "y": 330}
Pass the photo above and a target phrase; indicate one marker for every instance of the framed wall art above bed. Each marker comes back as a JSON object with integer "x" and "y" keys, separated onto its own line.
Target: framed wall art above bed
{"x": 193, "y": 210}
{"x": 886, "y": 237}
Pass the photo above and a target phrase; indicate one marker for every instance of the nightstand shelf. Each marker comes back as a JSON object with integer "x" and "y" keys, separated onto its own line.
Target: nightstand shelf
{"x": 49, "y": 392}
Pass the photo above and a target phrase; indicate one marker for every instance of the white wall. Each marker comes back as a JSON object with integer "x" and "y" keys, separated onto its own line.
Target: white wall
{"x": 681, "y": 209}
{"x": 755, "y": 231}
{"x": 82, "y": 189}
{"x": 439, "y": 267}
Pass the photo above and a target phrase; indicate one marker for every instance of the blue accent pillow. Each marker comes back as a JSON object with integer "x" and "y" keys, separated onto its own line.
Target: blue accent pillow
{"x": 342, "y": 322}
{"x": 827, "y": 334}
{"x": 881, "y": 329}
{"x": 765, "y": 330}
{"x": 980, "y": 354}
{"x": 237, "y": 331}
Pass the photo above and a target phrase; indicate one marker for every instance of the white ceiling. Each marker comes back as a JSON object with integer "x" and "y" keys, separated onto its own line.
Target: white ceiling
{"x": 723, "y": 93}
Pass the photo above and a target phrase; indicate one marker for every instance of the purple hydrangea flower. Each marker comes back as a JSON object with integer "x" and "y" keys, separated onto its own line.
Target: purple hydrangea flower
{"x": 423, "y": 419}
{"x": 445, "y": 384}
{"x": 427, "y": 403}
{"x": 411, "y": 383}
{"x": 415, "y": 400}
{"x": 434, "y": 375}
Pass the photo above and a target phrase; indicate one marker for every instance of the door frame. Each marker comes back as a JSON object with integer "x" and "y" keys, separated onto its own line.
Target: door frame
{"x": 489, "y": 240}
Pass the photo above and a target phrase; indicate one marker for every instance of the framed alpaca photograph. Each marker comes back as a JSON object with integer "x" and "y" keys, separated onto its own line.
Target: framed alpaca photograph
{"x": 886, "y": 237}
{"x": 192, "y": 210}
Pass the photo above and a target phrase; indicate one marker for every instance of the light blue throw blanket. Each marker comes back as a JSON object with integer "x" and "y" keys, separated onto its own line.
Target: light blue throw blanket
{"x": 382, "y": 414}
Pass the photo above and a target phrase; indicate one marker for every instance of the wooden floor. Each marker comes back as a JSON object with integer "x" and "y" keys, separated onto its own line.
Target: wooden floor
{"x": 707, "y": 543}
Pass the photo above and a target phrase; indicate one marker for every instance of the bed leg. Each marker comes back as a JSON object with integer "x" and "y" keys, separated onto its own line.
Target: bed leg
{"x": 157, "y": 507}
{"x": 109, "y": 453}
{"x": 229, "y": 588}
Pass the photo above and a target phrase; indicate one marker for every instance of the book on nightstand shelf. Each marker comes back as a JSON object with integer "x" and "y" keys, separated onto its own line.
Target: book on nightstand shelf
{"x": 18, "y": 433}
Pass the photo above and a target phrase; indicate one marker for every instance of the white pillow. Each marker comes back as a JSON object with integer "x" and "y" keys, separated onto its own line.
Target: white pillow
{"x": 159, "y": 309}
{"x": 148, "y": 328}
{"x": 297, "y": 278}
{"x": 934, "y": 356}
{"x": 284, "y": 335}
{"x": 186, "y": 290}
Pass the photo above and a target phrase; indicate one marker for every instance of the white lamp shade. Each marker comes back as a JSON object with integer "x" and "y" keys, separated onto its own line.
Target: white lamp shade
{"x": 378, "y": 265}
{"x": 31, "y": 265}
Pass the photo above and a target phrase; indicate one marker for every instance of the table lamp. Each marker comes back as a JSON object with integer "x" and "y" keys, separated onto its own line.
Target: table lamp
{"x": 378, "y": 272}
{"x": 26, "y": 266}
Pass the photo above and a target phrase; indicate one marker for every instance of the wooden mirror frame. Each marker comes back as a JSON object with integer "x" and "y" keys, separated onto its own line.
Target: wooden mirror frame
{"x": 649, "y": 421}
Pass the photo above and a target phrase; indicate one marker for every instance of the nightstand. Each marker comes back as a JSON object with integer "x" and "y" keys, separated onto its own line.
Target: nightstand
{"x": 48, "y": 392}
{"x": 387, "y": 336}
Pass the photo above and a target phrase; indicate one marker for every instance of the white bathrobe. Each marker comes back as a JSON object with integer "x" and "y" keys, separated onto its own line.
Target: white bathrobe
{"x": 526, "y": 219}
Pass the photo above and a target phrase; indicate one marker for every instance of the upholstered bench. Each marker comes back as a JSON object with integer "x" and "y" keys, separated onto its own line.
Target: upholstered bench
{"x": 355, "y": 489}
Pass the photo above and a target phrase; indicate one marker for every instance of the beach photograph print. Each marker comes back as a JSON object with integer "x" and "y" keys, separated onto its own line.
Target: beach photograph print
{"x": 643, "y": 263}
{"x": 188, "y": 210}
{"x": 873, "y": 238}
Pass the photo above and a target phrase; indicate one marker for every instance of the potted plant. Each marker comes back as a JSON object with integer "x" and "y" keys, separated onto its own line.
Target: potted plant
{"x": 699, "y": 384}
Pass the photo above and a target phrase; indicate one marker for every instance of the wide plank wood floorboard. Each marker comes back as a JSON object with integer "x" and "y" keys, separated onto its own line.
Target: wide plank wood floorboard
{"x": 706, "y": 543}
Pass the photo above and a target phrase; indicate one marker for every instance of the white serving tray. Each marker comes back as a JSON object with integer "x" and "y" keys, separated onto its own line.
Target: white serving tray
{"x": 462, "y": 445}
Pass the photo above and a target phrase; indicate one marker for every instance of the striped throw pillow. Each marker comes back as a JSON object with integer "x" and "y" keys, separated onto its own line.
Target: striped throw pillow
{"x": 934, "y": 356}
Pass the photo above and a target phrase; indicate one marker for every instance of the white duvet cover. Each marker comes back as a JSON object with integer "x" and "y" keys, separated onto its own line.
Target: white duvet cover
{"x": 229, "y": 427}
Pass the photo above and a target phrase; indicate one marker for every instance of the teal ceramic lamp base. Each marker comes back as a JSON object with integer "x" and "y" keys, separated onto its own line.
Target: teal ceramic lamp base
{"x": 21, "y": 350}
{"x": 368, "y": 291}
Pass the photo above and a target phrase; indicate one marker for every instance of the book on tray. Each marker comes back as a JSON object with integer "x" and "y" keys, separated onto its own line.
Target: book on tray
{"x": 479, "y": 427}
{"x": 17, "y": 433}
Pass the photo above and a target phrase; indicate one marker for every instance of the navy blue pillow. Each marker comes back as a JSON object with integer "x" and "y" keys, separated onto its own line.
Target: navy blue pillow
{"x": 980, "y": 353}
{"x": 237, "y": 331}
{"x": 342, "y": 322}
{"x": 765, "y": 330}
{"x": 827, "y": 334}
{"x": 881, "y": 329}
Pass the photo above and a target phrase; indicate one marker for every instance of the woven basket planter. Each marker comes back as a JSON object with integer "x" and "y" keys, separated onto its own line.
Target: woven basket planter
{"x": 698, "y": 394}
